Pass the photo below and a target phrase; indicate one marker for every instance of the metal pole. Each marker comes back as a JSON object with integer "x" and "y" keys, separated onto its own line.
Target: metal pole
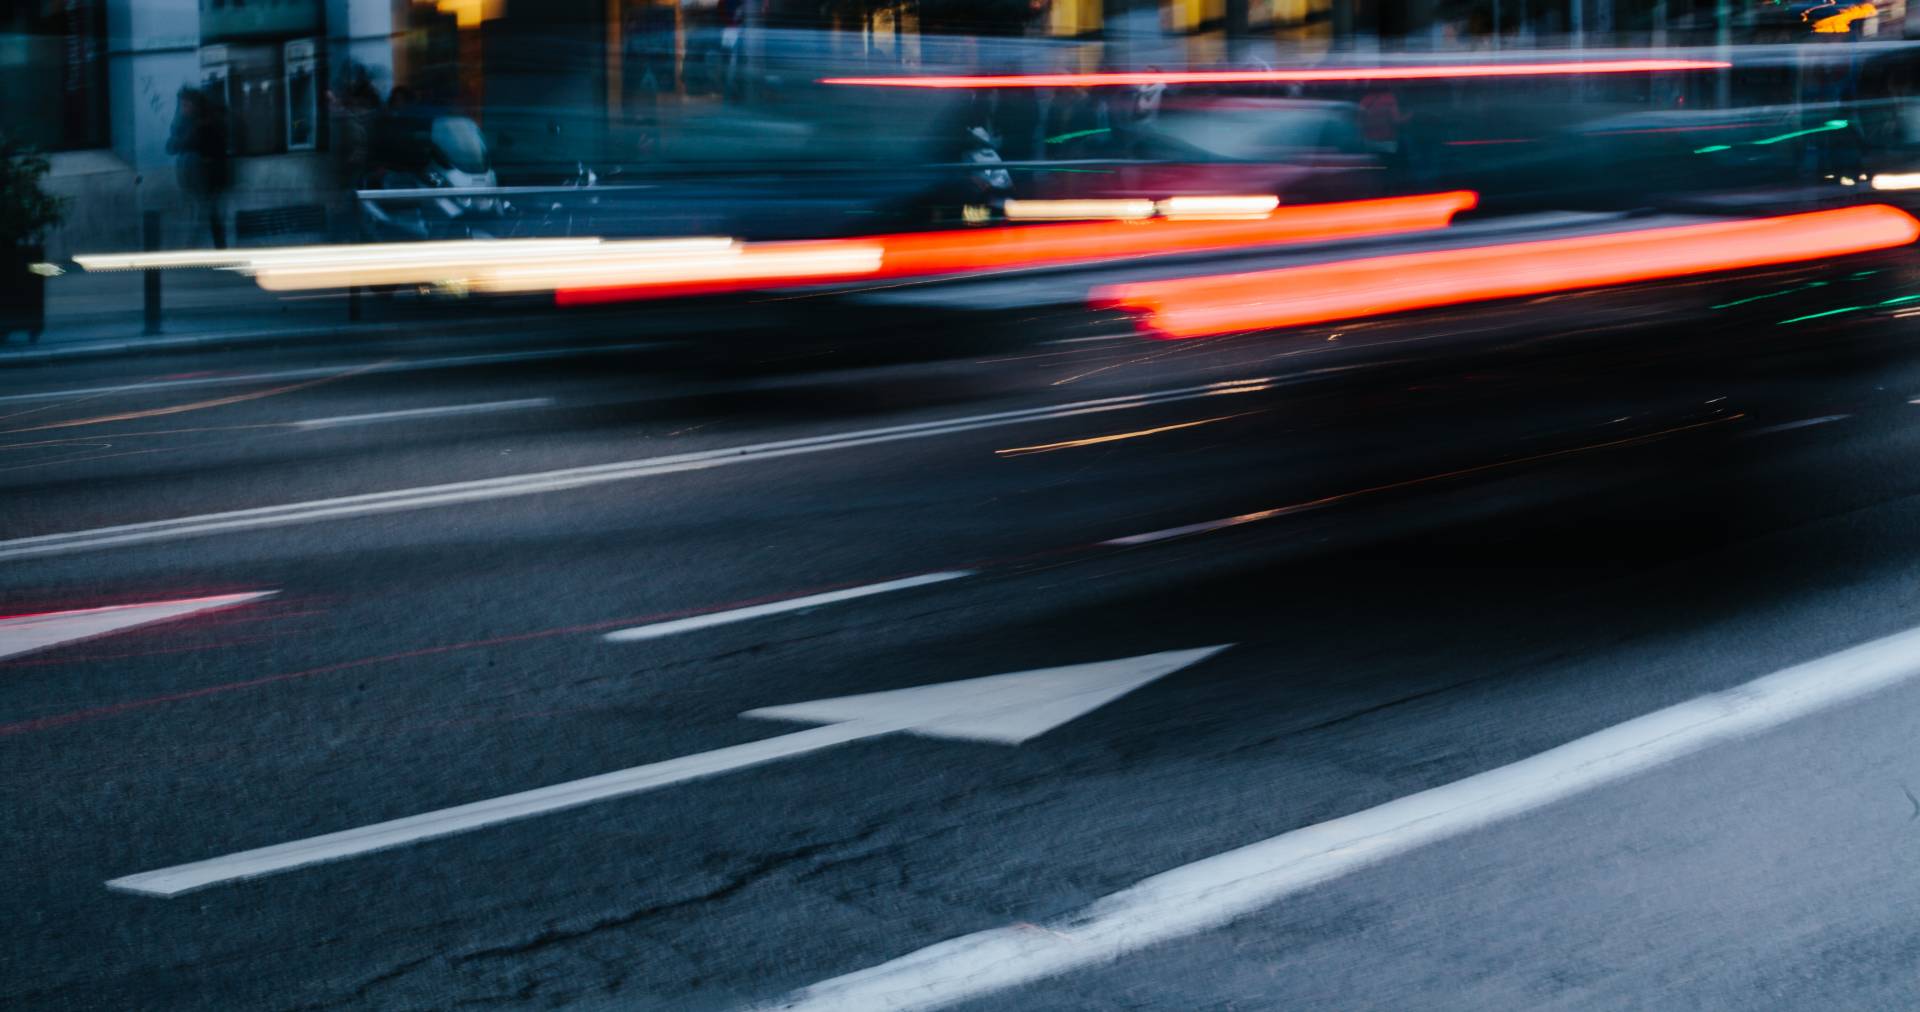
{"x": 1236, "y": 30}
{"x": 1723, "y": 43}
{"x": 150, "y": 236}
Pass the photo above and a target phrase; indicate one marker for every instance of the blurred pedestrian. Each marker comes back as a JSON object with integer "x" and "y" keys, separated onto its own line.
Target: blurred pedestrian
{"x": 353, "y": 104}
{"x": 198, "y": 143}
{"x": 400, "y": 133}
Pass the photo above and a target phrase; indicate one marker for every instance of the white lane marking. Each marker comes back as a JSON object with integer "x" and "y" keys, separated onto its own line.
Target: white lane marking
{"x": 1184, "y": 530}
{"x": 581, "y": 477}
{"x": 1803, "y": 423}
{"x": 655, "y": 630}
{"x": 1087, "y": 340}
{"x": 1214, "y": 891}
{"x": 404, "y": 365}
{"x": 23, "y": 634}
{"x": 1000, "y": 709}
{"x": 410, "y": 414}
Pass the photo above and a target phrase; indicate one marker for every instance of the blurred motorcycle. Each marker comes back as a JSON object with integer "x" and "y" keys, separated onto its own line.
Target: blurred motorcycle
{"x": 451, "y": 155}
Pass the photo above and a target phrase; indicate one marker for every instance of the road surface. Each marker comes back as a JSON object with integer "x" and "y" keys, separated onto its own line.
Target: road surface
{"x": 442, "y": 570}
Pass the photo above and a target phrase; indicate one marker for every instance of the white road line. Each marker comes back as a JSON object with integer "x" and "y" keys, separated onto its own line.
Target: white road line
{"x": 1087, "y": 340}
{"x": 24, "y": 634}
{"x": 1006, "y": 709}
{"x": 581, "y": 477}
{"x": 409, "y": 414}
{"x": 168, "y": 882}
{"x": 1804, "y": 423}
{"x": 655, "y": 630}
{"x": 1184, "y": 530}
{"x": 1215, "y": 891}
{"x": 404, "y": 365}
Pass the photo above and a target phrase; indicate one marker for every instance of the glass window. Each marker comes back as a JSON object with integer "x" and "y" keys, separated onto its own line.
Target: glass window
{"x": 53, "y": 56}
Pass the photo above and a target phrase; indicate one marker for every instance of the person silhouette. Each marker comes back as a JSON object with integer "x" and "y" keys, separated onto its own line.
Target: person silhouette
{"x": 198, "y": 143}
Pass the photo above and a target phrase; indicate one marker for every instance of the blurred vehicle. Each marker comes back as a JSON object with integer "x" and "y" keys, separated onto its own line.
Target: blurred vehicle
{"x": 452, "y": 155}
{"x": 1304, "y": 151}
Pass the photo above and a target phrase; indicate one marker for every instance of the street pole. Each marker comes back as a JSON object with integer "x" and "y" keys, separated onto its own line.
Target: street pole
{"x": 1236, "y": 30}
{"x": 150, "y": 294}
{"x": 1723, "y": 46}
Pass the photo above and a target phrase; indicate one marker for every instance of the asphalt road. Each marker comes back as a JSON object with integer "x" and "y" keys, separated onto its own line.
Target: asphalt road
{"x": 1433, "y": 547}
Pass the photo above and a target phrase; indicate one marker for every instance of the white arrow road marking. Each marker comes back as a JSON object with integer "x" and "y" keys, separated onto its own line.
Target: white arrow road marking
{"x": 655, "y": 630}
{"x": 22, "y": 634}
{"x": 1007, "y": 709}
{"x": 1215, "y": 891}
{"x": 582, "y": 477}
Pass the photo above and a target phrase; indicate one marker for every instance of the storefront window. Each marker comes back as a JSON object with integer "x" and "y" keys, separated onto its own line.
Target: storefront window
{"x": 257, "y": 60}
{"x": 52, "y": 56}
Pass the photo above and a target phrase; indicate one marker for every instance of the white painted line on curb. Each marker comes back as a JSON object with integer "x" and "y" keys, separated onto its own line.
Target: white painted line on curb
{"x": 655, "y": 630}
{"x": 581, "y": 477}
{"x": 412, "y": 414}
{"x": 1213, "y": 892}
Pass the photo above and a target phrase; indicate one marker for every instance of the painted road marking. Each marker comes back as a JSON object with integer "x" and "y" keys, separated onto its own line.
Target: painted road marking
{"x": 655, "y": 630}
{"x": 1804, "y": 423}
{"x": 395, "y": 366}
{"x": 1090, "y": 340}
{"x": 410, "y": 414}
{"x": 1205, "y": 526}
{"x": 23, "y": 634}
{"x": 1212, "y": 892}
{"x": 1001, "y": 709}
{"x": 582, "y": 477}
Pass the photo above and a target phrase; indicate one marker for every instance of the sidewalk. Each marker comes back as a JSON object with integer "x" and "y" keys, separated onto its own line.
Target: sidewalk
{"x": 93, "y": 314}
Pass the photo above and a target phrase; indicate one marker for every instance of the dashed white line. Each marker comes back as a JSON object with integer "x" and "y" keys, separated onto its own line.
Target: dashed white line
{"x": 411, "y": 414}
{"x": 1804, "y": 423}
{"x": 1184, "y": 530}
{"x": 581, "y": 477}
{"x": 655, "y": 630}
{"x": 1215, "y": 891}
{"x": 402, "y": 365}
{"x": 1088, "y": 340}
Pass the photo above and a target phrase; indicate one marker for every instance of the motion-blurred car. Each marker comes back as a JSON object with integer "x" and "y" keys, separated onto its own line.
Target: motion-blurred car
{"x": 1304, "y": 151}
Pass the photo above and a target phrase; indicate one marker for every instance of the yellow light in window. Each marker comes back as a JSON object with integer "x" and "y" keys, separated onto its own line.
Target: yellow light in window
{"x": 469, "y": 13}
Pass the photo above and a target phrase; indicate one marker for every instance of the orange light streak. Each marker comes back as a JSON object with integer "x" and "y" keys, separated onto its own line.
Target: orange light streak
{"x": 1322, "y": 293}
{"x": 919, "y": 254}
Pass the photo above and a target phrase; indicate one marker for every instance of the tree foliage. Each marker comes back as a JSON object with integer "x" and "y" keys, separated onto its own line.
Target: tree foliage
{"x": 26, "y": 209}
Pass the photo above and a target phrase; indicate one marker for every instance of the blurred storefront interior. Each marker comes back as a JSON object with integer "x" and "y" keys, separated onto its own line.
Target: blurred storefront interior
{"x": 99, "y": 82}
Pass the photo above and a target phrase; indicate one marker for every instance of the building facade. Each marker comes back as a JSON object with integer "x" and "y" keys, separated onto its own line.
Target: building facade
{"x": 100, "y": 82}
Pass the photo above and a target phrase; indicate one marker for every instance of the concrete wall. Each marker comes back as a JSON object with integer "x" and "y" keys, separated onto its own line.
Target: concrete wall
{"x": 154, "y": 49}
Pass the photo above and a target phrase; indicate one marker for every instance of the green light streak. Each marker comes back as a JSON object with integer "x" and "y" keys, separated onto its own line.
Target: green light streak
{"x": 1849, "y": 309}
{"x": 1832, "y": 124}
{"x": 1077, "y": 134}
{"x": 1816, "y": 316}
{"x": 1769, "y": 295}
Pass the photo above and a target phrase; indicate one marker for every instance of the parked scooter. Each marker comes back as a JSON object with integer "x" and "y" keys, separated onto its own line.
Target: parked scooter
{"x": 450, "y": 153}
